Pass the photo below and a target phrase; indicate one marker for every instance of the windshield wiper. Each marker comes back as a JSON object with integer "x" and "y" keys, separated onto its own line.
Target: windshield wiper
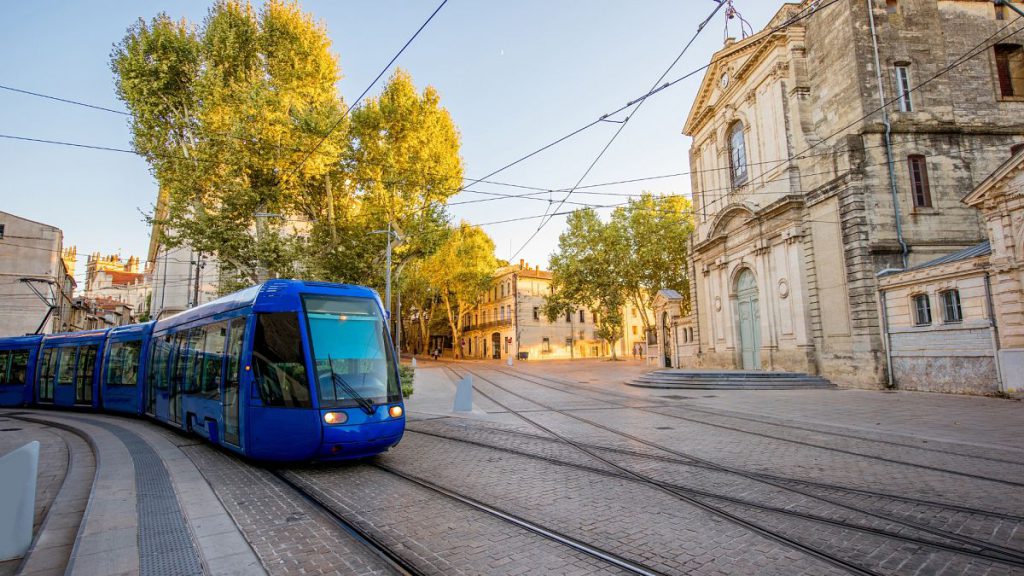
{"x": 336, "y": 379}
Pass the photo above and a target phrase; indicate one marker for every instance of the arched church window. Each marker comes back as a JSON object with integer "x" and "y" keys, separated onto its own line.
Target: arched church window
{"x": 737, "y": 154}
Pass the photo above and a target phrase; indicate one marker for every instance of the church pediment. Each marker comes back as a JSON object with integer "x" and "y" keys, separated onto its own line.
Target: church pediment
{"x": 729, "y": 68}
{"x": 731, "y": 218}
{"x": 999, "y": 183}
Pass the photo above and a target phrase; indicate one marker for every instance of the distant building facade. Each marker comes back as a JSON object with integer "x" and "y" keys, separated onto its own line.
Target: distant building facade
{"x": 798, "y": 206}
{"x": 510, "y": 322}
{"x": 180, "y": 276}
{"x": 36, "y": 286}
{"x": 116, "y": 290}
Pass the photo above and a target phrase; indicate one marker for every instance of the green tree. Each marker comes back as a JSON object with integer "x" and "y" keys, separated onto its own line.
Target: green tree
{"x": 587, "y": 271}
{"x": 653, "y": 236}
{"x": 226, "y": 113}
{"x": 461, "y": 271}
{"x": 640, "y": 250}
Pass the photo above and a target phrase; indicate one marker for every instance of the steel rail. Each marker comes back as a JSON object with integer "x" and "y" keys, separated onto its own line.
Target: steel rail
{"x": 714, "y": 510}
{"x": 773, "y": 481}
{"x": 526, "y": 524}
{"x": 381, "y": 550}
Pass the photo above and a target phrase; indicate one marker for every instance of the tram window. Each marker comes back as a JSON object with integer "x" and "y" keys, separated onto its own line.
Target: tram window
{"x": 13, "y": 367}
{"x": 160, "y": 361}
{"x": 213, "y": 358}
{"x": 177, "y": 351}
{"x": 195, "y": 354}
{"x": 47, "y": 368}
{"x": 83, "y": 380}
{"x": 123, "y": 363}
{"x": 66, "y": 366}
{"x": 279, "y": 362}
{"x": 234, "y": 350}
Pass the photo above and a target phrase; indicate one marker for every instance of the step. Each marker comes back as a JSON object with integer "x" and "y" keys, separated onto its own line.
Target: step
{"x": 729, "y": 380}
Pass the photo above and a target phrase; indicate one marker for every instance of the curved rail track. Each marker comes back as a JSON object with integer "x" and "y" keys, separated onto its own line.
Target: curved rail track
{"x": 970, "y": 546}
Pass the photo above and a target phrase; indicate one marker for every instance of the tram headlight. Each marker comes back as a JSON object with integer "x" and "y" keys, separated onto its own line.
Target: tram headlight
{"x": 335, "y": 417}
{"x": 395, "y": 411}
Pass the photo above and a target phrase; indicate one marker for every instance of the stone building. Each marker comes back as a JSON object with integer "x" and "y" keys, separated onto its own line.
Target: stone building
{"x": 956, "y": 324}
{"x": 510, "y": 322}
{"x": 805, "y": 186}
{"x": 109, "y": 280}
{"x": 36, "y": 286}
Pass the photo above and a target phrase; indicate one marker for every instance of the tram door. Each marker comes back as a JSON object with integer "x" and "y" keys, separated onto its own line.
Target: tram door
{"x": 236, "y": 336}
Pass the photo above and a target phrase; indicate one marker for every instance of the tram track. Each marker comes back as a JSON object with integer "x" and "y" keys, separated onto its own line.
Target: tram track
{"x": 981, "y": 549}
{"x": 386, "y": 554}
{"x": 1014, "y": 559}
{"x": 650, "y": 410}
{"x": 754, "y": 527}
{"x": 407, "y": 567}
{"x": 781, "y": 422}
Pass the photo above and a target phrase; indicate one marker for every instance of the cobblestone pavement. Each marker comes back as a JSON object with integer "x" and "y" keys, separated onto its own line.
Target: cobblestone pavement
{"x": 53, "y": 466}
{"x": 909, "y": 497}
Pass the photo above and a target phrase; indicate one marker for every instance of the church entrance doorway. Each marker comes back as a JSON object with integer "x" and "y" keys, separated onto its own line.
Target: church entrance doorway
{"x": 749, "y": 320}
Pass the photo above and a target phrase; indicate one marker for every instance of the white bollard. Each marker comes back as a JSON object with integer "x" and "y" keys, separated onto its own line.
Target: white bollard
{"x": 464, "y": 395}
{"x": 18, "y": 471}
{"x": 510, "y": 361}
{"x": 414, "y": 362}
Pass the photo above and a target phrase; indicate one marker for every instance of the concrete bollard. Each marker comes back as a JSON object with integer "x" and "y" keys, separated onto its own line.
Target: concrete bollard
{"x": 510, "y": 361}
{"x": 414, "y": 362}
{"x": 464, "y": 395}
{"x": 18, "y": 472}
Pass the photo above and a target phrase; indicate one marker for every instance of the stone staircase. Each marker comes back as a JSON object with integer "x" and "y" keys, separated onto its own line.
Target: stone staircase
{"x": 729, "y": 380}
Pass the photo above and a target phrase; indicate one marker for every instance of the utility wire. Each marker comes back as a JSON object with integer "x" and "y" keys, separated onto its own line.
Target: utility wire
{"x": 622, "y": 126}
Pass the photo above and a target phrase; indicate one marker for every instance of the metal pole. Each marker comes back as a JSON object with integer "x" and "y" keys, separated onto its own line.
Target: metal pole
{"x": 387, "y": 277}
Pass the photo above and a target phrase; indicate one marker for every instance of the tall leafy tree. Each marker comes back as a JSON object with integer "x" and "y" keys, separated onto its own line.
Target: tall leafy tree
{"x": 587, "y": 271}
{"x": 640, "y": 250}
{"x": 653, "y": 236}
{"x": 461, "y": 271}
{"x": 226, "y": 114}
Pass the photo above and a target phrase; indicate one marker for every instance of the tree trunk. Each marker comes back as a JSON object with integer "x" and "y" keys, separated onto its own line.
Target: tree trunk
{"x": 456, "y": 347}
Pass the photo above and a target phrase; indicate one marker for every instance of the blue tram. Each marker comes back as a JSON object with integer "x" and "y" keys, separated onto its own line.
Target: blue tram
{"x": 287, "y": 370}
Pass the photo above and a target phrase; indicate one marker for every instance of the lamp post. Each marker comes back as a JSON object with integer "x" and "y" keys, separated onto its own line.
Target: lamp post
{"x": 392, "y": 235}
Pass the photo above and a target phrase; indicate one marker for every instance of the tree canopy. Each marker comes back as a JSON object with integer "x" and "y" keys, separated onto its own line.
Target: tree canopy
{"x": 605, "y": 265}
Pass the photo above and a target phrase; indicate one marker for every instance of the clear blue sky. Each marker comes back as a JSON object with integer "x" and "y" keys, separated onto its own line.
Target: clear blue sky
{"x": 514, "y": 75}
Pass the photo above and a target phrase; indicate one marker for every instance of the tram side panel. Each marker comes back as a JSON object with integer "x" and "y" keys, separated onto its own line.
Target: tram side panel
{"x": 18, "y": 357}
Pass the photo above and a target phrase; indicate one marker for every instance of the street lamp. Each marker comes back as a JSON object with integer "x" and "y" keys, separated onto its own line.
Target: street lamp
{"x": 392, "y": 235}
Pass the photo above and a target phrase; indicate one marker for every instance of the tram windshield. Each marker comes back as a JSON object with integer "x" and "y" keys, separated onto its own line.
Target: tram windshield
{"x": 350, "y": 349}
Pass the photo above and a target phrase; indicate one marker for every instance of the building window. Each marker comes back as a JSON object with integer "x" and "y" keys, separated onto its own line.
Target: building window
{"x": 919, "y": 181}
{"x": 892, "y": 6}
{"x": 1000, "y": 12}
{"x": 951, "y": 306}
{"x": 634, "y": 330}
{"x": 1010, "y": 69}
{"x": 568, "y": 316}
{"x": 737, "y": 154}
{"x": 545, "y": 345}
{"x": 595, "y": 317}
{"x": 1, "y": 231}
{"x": 903, "y": 88}
{"x": 536, "y": 313}
{"x": 583, "y": 318}
{"x": 922, "y": 310}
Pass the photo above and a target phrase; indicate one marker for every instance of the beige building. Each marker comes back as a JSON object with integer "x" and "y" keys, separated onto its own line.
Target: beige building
{"x": 510, "y": 322}
{"x": 798, "y": 206}
{"x": 115, "y": 289}
{"x": 36, "y": 285}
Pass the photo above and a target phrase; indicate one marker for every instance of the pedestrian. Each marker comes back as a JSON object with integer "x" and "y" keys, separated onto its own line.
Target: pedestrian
{"x": 636, "y": 351}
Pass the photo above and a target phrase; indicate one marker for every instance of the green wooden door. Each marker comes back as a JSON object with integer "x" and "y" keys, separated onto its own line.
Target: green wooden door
{"x": 749, "y": 320}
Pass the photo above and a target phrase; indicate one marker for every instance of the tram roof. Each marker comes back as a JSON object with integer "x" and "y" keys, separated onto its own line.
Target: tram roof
{"x": 71, "y": 337}
{"x": 132, "y": 329}
{"x": 9, "y": 342}
{"x": 277, "y": 295}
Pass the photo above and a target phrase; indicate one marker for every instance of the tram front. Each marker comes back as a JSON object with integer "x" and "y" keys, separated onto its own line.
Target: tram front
{"x": 358, "y": 392}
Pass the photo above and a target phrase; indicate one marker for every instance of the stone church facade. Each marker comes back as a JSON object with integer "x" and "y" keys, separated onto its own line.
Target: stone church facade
{"x": 804, "y": 190}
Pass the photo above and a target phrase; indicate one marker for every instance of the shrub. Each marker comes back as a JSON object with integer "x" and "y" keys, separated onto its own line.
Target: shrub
{"x": 408, "y": 373}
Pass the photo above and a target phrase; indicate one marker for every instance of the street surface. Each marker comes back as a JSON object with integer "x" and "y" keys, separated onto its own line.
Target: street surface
{"x": 561, "y": 468}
